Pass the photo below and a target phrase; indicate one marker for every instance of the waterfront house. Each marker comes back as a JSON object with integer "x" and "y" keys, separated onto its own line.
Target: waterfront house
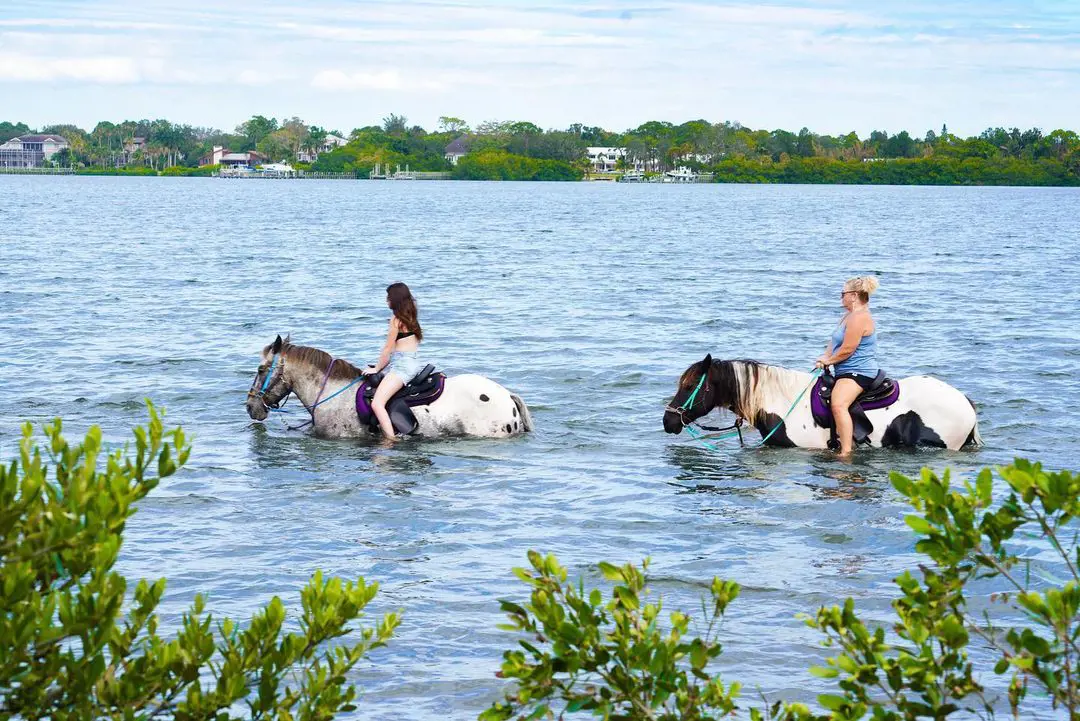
{"x": 456, "y": 150}
{"x": 226, "y": 158}
{"x": 30, "y": 151}
{"x": 606, "y": 160}
{"x": 329, "y": 145}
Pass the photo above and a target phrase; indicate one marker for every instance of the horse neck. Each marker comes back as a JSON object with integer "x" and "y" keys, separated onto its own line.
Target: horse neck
{"x": 766, "y": 388}
{"x": 306, "y": 380}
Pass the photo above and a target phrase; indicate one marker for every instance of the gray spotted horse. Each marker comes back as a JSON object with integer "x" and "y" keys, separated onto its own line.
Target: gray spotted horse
{"x": 337, "y": 396}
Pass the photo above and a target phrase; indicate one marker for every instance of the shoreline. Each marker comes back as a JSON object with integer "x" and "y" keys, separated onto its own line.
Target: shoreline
{"x": 932, "y": 171}
{"x": 584, "y": 181}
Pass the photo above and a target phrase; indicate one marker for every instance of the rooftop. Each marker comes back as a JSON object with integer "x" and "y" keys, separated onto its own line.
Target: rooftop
{"x": 41, "y": 138}
{"x": 458, "y": 146}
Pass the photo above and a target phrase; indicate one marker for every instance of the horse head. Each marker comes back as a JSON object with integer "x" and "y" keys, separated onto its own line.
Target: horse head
{"x": 694, "y": 398}
{"x": 270, "y": 385}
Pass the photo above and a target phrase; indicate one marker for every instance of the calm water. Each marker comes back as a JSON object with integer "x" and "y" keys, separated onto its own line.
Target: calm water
{"x": 586, "y": 299}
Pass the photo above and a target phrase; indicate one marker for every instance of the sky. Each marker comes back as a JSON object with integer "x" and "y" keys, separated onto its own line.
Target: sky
{"x": 831, "y": 65}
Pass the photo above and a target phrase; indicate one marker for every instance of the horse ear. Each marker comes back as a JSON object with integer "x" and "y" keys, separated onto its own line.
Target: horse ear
{"x": 277, "y": 345}
{"x": 707, "y": 363}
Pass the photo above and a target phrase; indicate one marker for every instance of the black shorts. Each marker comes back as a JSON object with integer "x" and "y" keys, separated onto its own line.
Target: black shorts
{"x": 863, "y": 381}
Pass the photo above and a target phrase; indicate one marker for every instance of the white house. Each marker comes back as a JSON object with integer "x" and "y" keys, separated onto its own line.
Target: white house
{"x": 30, "y": 151}
{"x": 456, "y": 150}
{"x": 330, "y": 144}
{"x": 606, "y": 160}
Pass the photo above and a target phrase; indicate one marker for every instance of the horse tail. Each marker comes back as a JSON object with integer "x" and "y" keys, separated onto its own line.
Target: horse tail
{"x": 523, "y": 411}
{"x": 973, "y": 439}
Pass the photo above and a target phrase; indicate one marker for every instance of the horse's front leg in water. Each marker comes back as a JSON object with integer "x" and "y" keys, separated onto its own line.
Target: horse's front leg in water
{"x": 388, "y": 386}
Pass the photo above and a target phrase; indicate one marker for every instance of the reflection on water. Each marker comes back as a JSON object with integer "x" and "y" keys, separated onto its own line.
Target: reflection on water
{"x": 591, "y": 324}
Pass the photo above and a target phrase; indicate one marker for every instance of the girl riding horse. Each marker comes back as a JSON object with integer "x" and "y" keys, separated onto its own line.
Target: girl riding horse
{"x": 399, "y": 354}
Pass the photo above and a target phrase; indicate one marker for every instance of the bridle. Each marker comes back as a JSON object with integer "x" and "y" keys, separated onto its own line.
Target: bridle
{"x": 689, "y": 425}
{"x": 269, "y": 382}
{"x": 680, "y": 410}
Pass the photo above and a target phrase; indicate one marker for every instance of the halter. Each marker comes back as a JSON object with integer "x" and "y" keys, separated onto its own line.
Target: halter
{"x": 267, "y": 382}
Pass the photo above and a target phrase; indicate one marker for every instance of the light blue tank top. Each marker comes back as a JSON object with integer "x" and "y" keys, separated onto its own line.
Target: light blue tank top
{"x": 863, "y": 361}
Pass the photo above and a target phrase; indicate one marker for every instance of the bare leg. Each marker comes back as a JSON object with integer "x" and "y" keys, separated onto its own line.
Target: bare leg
{"x": 388, "y": 386}
{"x": 844, "y": 393}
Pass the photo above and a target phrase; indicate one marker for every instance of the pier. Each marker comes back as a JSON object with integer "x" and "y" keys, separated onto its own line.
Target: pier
{"x": 382, "y": 172}
{"x": 36, "y": 171}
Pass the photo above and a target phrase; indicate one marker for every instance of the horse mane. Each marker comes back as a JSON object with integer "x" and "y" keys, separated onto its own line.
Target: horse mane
{"x": 743, "y": 385}
{"x": 342, "y": 370}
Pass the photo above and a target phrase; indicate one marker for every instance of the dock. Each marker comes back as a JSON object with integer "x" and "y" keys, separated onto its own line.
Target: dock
{"x": 36, "y": 171}
{"x": 382, "y": 172}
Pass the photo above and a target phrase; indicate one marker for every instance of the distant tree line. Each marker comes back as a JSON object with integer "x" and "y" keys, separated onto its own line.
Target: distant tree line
{"x": 521, "y": 150}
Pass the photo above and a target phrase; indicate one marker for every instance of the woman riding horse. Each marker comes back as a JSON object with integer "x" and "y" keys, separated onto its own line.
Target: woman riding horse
{"x": 399, "y": 354}
{"x": 852, "y": 351}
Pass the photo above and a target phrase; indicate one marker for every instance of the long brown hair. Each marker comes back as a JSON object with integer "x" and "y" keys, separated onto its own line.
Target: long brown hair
{"x": 403, "y": 305}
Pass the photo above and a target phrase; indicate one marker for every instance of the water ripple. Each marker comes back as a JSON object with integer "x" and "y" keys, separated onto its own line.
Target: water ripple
{"x": 586, "y": 300}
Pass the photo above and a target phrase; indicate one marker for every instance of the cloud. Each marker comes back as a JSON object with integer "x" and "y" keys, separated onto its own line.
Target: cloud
{"x": 80, "y": 23}
{"x": 256, "y": 78}
{"x": 341, "y": 80}
{"x": 107, "y": 70}
{"x": 836, "y": 63}
{"x": 498, "y": 35}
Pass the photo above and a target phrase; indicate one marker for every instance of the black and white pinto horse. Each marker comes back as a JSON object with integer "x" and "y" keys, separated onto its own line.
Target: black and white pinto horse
{"x": 469, "y": 405}
{"x": 925, "y": 411}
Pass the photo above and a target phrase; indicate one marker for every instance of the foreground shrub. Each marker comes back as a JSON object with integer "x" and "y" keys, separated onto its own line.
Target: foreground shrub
{"x": 966, "y": 535}
{"x": 611, "y": 658}
{"x": 67, "y": 649}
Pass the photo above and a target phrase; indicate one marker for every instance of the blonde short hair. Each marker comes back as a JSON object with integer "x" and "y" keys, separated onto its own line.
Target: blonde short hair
{"x": 864, "y": 285}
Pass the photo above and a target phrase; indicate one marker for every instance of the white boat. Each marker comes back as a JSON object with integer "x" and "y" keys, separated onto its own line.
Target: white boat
{"x": 681, "y": 174}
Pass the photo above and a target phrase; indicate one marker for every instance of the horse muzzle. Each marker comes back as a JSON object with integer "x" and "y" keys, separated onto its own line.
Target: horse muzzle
{"x": 256, "y": 408}
{"x": 673, "y": 422}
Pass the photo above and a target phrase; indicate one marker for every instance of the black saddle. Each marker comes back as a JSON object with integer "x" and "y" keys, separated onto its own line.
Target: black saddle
{"x": 880, "y": 387}
{"x": 416, "y": 385}
{"x": 882, "y": 392}
{"x": 425, "y": 388}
